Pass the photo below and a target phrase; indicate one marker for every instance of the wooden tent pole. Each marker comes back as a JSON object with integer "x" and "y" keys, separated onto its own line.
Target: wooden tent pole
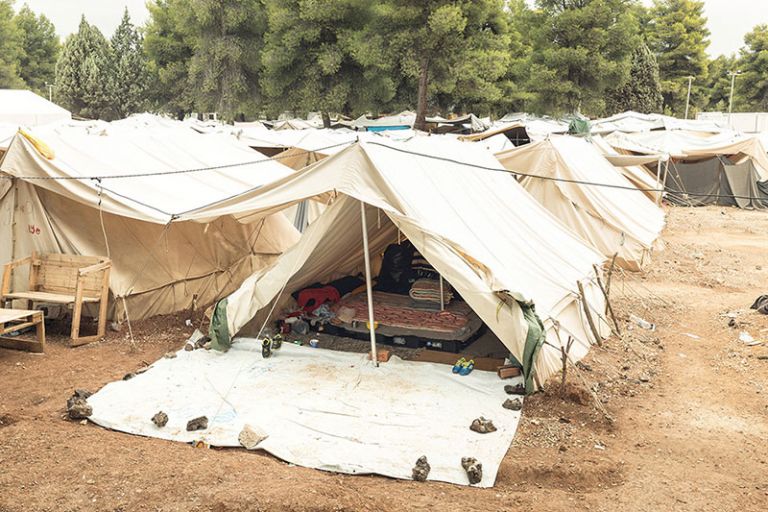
{"x": 369, "y": 285}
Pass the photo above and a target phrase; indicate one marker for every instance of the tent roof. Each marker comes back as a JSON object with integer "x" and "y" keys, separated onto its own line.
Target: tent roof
{"x": 573, "y": 158}
{"x": 25, "y": 108}
{"x": 151, "y": 194}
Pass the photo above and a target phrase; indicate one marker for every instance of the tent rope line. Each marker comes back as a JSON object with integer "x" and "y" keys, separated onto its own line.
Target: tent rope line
{"x": 175, "y": 172}
{"x": 434, "y": 157}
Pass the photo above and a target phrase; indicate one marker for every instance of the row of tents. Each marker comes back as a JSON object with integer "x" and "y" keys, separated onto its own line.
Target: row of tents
{"x": 196, "y": 213}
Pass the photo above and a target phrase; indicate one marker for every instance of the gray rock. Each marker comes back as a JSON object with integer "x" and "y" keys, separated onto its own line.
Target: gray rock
{"x": 513, "y": 404}
{"x": 421, "y": 469}
{"x": 200, "y": 423}
{"x": 482, "y": 426}
{"x": 473, "y": 468}
{"x": 250, "y": 437}
{"x": 78, "y": 408}
{"x": 160, "y": 419}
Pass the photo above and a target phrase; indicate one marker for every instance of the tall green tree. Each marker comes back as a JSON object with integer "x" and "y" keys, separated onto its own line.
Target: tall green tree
{"x": 131, "y": 79}
{"x": 641, "y": 91}
{"x": 718, "y": 83}
{"x": 10, "y": 47}
{"x": 516, "y": 95}
{"x": 39, "y": 49}
{"x": 677, "y": 34}
{"x": 325, "y": 55}
{"x": 450, "y": 49}
{"x": 753, "y": 63}
{"x": 84, "y": 74}
{"x": 169, "y": 46}
{"x": 582, "y": 50}
{"x": 224, "y": 69}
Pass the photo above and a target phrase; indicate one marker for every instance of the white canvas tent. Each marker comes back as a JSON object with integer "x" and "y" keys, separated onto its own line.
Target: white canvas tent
{"x": 25, "y": 108}
{"x": 613, "y": 220}
{"x": 482, "y": 232}
{"x": 165, "y": 256}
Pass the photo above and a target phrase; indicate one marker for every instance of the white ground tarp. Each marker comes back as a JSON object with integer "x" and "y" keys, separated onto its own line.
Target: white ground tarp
{"x": 321, "y": 409}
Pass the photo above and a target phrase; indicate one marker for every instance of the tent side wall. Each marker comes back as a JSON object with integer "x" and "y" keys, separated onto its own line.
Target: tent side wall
{"x": 157, "y": 269}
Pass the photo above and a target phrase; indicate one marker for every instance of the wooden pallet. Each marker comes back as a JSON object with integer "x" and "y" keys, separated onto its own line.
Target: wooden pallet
{"x": 12, "y": 320}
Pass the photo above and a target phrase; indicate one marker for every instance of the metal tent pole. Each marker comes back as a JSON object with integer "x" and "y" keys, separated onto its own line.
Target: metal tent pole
{"x": 442, "y": 300}
{"x": 368, "y": 285}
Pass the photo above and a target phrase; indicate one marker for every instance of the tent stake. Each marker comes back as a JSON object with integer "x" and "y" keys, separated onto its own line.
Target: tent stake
{"x": 608, "y": 306}
{"x": 590, "y": 321}
{"x": 368, "y": 285}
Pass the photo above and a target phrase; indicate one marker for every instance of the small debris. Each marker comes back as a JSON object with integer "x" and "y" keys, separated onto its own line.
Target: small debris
{"x": 250, "y": 437}
{"x": 747, "y": 339}
{"x": 645, "y": 378}
{"x": 583, "y": 366}
{"x": 645, "y": 324}
{"x": 564, "y": 420}
{"x": 482, "y": 426}
{"x": 77, "y": 405}
{"x": 473, "y": 468}
{"x": 170, "y": 355}
{"x": 693, "y": 336}
{"x": 513, "y": 404}
{"x": 160, "y": 419}
{"x": 421, "y": 469}
{"x": 200, "y": 423}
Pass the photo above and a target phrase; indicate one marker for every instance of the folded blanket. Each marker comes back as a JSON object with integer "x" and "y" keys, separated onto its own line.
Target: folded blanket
{"x": 429, "y": 290}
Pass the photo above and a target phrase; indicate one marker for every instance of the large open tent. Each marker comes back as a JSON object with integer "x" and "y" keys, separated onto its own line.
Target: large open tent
{"x": 131, "y": 195}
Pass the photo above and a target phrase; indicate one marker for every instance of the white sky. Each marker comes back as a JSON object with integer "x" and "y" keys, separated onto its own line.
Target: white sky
{"x": 729, "y": 20}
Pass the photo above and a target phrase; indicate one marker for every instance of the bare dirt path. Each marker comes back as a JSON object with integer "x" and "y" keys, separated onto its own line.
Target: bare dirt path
{"x": 689, "y": 404}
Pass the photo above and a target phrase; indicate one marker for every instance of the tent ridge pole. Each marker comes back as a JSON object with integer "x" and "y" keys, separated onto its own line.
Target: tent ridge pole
{"x": 368, "y": 285}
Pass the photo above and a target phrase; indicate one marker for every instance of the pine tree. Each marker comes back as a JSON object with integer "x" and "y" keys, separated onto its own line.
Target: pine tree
{"x": 169, "y": 47}
{"x": 582, "y": 49}
{"x": 84, "y": 74}
{"x": 40, "y": 49}
{"x": 677, "y": 34}
{"x": 642, "y": 91}
{"x": 753, "y": 62}
{"x": 10, "y": 48}
{"x": 224, "y": 70}
{"x": 718, "y": 83}
{"x": 447, "y": 50}
{"x": 324, "y": 55}
{"x": 130, "y": 68}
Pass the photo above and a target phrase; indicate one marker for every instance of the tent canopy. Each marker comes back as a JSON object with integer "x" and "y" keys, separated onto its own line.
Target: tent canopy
{"x": 612, "y": 220}
{"x": 161, "y": 262}
{"x": 25, "y": 108}
{"x": 482, "y": 232}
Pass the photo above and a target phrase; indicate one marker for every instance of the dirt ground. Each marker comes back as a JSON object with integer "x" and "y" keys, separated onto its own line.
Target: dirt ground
{"x": 682, "y": 422}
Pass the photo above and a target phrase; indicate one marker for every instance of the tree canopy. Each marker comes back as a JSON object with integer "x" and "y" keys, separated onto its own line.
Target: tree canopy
{"x": 39, "y": 49}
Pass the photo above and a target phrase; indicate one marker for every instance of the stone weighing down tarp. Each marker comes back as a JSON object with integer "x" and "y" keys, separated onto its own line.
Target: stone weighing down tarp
{"x": 483, "y": 233}
{"x": 612, "y": 216}
{"x": 165, "y": 257}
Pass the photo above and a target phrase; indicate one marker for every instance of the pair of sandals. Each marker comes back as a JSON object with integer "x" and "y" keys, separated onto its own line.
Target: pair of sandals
{"x": 463, "y": 367}
{"x": 269, "y": 344}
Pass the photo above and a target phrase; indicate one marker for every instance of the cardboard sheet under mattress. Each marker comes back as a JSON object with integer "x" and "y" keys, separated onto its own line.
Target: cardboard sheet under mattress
{"x": 399, "y": 315}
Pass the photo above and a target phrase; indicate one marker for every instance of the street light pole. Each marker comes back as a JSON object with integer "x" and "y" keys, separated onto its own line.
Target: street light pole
{"x": 730, "y": 98}
{"x": 688, "y": 99}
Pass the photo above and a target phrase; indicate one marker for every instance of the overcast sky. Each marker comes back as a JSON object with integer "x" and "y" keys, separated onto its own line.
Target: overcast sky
{"x": 729, "y": 20}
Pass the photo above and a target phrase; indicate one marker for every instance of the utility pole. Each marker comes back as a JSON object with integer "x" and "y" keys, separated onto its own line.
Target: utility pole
{"x": 688, "y": 99}
{"x": 733, "y": 74}
{"x": 50, "y": 91}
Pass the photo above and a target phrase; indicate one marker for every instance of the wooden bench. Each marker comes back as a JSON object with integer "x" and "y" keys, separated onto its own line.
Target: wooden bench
{"x": 63, "y": 279}
{"x": 12, "y": 320}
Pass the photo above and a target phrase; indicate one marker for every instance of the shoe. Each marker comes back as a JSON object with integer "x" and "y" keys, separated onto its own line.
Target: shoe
{"x": 467, "y": 368}
{"x": 266, "y": 347}
{"x": 277, "y": 342}
{"x": 458, "y": 365}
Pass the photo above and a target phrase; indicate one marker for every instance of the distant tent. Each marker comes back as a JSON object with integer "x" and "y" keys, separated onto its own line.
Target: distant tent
{"x": 499, "y": 249}
{"x": 612, "y": 220}
{"x": 25, "y": 108}
{"x": 713, "y": 170}
{"x": 165, "y": 256}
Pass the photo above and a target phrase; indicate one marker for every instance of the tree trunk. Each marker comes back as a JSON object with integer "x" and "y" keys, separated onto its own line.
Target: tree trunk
{"x": 326, "y": 119}
{"x": 421, "y": 107}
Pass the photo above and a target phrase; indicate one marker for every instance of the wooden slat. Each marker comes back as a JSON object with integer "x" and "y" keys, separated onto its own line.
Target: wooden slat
{"x": 22, "y": 344}
{"x": 9, "y": 315}
{"x": 53, "y": 298}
